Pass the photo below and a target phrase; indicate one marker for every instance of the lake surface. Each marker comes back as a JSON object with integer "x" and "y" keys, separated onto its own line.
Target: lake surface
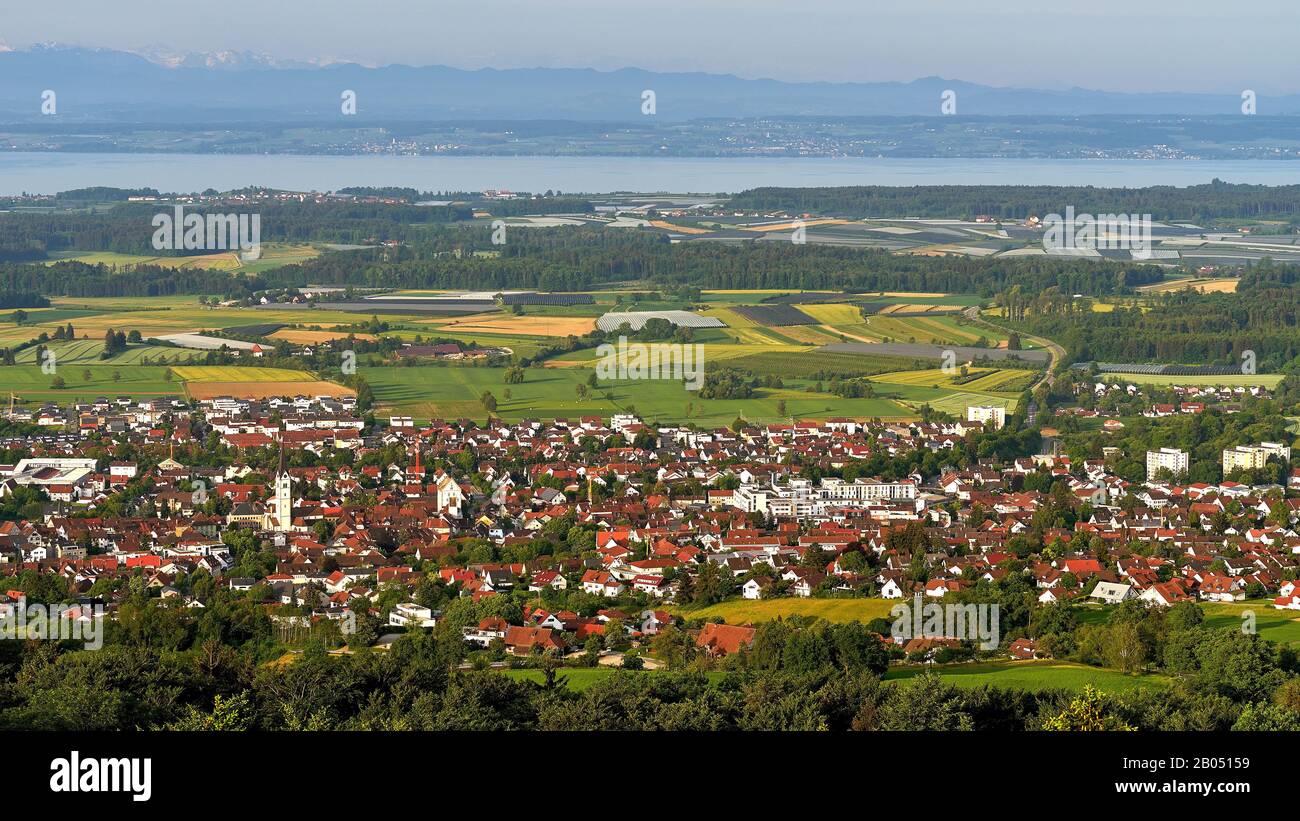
{"x": 48, "y": 173}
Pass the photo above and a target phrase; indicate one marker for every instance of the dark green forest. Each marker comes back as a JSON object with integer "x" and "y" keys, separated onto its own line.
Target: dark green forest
{"x": 1214, "y": 200}
{"x": 573, "y": 259}
{"x": 164, "y": 667}
{"x": 1186, "y": 327}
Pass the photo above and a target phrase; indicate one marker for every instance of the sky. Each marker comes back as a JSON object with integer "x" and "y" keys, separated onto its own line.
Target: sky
{"x": 1115, "y": 45}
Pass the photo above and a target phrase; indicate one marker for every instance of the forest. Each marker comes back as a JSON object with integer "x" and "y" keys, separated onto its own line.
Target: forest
{"x": 166, "y": 667}
{"x": 1216, "y": 200}
{"x": 1187, "y": 327}
{"x": 567, "y": 259}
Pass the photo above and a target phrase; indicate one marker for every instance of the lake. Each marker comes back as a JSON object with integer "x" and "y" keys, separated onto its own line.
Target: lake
{"x": 48, "y": 173}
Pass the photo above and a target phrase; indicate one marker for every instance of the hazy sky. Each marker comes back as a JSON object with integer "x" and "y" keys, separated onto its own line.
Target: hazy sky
{"x": 1119, "y": 45}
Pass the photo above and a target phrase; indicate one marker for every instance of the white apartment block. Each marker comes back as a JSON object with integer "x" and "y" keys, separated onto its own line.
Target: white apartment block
{"x": 988, "y": 415}
{"x": 1253, "y": 457}
{"x": 801, "y": 498}
{"x": 867, "y": 490}
{"x": 1171, "y": 459}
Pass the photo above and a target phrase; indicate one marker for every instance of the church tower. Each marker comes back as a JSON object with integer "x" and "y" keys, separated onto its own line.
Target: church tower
{"x": 283, "y": 496}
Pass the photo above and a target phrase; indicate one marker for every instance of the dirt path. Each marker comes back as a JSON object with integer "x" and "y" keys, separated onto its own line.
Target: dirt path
{"x": 838, "y": 332}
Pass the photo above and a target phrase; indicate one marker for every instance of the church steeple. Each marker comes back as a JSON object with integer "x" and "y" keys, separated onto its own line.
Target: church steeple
{"x": 283, "y": 518}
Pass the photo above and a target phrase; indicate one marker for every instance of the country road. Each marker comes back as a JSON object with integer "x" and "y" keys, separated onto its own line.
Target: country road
{"x": 1054, "y": 350}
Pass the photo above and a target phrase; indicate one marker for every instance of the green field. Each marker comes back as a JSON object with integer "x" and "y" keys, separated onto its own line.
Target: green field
{"x": 1281, "y": 626}
{"x": 137, "y": 381}
{"x": 1031, "y": 675}
{"x": 786, "y": 360}
{"x": 937, "y": 330}
{"x": 238, "y": 373}
{"x": 274, "y": 255}
{"x": 522, "y": 346}
{"x": 89, "y": 351}
{"x": 161, "y": 316}
{"x": 833, "y": 313}
{"x": 40, "y": 316}
{"x": 1266, "y": 380}
{"x": 753, "y": 611}
{"x": 31, "y": 385}
{"x": 837, "y": 322}
{"x": 788, "y": 352}
{"x": 429, "y": 392}
{"x": 952, "y": 401}
{"x": 453, "y": 392}
{"x": 803, "y": 363}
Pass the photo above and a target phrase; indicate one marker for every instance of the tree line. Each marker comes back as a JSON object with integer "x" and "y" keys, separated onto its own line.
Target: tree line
{"x": 1214, "y": 200}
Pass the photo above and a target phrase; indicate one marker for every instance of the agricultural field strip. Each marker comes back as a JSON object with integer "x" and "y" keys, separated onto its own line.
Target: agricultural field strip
{"x": 238, "y": 373}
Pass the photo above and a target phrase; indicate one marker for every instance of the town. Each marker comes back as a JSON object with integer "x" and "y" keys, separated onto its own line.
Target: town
{"x": 596, "y": 534}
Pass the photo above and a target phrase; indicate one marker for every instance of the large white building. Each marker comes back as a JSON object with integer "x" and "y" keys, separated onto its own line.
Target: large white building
{"x": 799, "y": 497}
{"x": 991, "y": 416}
{"x": 1253, "y": 457}
{"x": 1171, "y": 459}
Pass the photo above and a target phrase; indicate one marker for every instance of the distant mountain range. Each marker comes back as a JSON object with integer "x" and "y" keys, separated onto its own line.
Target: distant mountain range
{"x": 157, "y": 85}
{"x": 225, "y": 60}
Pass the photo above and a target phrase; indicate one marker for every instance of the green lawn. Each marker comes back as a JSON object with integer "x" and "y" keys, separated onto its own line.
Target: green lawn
{"x": 1281, "y": 626}
{"x": 753, "y": 611}
{"x": 1031, "y": 675}
{"x": 546, "y": 393}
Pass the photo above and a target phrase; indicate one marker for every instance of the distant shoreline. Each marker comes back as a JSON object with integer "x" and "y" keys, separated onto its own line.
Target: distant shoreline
{"x": 50, "y": 172}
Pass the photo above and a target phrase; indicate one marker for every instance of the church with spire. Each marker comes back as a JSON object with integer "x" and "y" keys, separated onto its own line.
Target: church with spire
{"x": 449, "y": 498}
{"x": 279, "y": 509}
